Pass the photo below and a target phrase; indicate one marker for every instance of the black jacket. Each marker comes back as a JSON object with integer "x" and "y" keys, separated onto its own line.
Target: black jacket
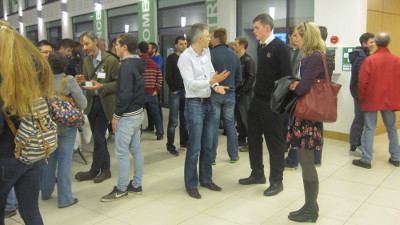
{"x": 356, "y": 58}
{"x": 7, "y": 145}
{"x": 282, "y": 99}
{"x": 129, "y": 96}
{"x": 248, "y": 75}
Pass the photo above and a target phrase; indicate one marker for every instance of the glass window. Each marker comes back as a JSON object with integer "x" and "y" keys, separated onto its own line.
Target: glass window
{"x": 54, "y": 32}
{"x": 122, "y": 20}
{"x": 13, "y": 6}
{"x": 81, "y": 24}
{"x": 32, "y": 33}
{"x": 171, "y": 17}
{"x": 48, "y": 1}
{"x": 30, "y": 4}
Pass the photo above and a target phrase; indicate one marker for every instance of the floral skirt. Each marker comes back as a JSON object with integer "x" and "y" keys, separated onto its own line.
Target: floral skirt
{"x": 305, "y": 134}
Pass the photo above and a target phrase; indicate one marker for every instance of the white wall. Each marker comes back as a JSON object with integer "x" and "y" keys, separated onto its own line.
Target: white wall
{"x": 227, "y": 17}
{"x": 347, "y": 20}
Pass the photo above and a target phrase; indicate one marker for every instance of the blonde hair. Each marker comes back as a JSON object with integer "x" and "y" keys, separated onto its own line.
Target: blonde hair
{"x": 312, "y": 38}
{"x": 26, "y": 74}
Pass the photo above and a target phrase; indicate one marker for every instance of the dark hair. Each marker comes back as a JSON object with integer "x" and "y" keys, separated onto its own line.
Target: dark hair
{"x": 77, "y": 44}
{"x": 179, "y": 38}
{"x": 128, "y": 40}
{"x": 67, "y": 43}
{"x": 382, "y": 39}
{"x": 90, "y": 34}
{"x": 324, "y": 32}
{"x": 243, "y": 41}
{"x": 43, "y": 43}
{"x": 290, "y": 30}
{"x": 143, "y": 47}
{"x": 365, "y": 37}
{"x": 111, "y": 43}
{"x": 154, "y": 45}
{"x": 265, "y": 19}
{"x": 58, "y": 62}
{"x": 220, "y": 33}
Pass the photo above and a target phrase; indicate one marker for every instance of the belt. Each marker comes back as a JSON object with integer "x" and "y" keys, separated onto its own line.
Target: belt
{"x": 201, "y": 99}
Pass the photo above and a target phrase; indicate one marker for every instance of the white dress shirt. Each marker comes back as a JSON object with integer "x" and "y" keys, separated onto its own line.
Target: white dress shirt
{"x": 196, "y": 71}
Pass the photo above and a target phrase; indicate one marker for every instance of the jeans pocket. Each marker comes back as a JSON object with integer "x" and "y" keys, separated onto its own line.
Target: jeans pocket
{"x": 9, "y": 172}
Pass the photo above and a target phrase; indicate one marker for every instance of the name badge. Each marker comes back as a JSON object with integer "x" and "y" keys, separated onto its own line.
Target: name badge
{"x": 101, "y": 75}
{"x": 88, "y": 84}
{"x": 204, "y": 59}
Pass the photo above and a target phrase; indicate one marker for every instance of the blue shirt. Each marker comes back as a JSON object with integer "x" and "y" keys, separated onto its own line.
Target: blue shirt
{"x": 96, "y": 61}
{"x": 196, "y": 71}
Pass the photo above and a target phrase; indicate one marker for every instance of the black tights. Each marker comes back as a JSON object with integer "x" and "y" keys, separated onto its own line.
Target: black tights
{"x": 306, "y": 159}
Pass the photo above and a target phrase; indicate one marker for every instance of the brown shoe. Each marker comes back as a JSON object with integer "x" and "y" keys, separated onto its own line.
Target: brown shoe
{"x": 104, "y": 175}
{"x": 194, "y": 193}
{"x": 212, "y": 186}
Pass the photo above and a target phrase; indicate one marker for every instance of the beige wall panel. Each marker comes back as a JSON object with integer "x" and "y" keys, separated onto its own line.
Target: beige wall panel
{"x": 391, "y": 6}
{"x": 374, "y": 21}
{"x": 376, "y": 5}
{"x": 391, "y": 24}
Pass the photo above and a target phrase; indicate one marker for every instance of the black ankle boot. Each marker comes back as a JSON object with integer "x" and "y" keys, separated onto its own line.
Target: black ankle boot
{"x": 300, "y": 210}
{"x": 308, "y": 214}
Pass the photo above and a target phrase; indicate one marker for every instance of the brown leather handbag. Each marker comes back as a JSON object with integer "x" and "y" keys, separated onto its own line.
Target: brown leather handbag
{"x": 320, "y": 102}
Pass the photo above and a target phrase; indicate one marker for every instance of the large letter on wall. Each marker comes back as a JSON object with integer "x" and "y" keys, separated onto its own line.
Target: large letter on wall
{"x": 147, "y": 21}
{"x": 99, "y": 25}
{"x": 211, "y": 14}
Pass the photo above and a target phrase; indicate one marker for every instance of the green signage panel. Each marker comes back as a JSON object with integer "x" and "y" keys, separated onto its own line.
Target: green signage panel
{"x": 211, "y": 14}
{"x": 346, "y": 65}
{"x": 147, "y": 20}
{"x": 99, "y": 24}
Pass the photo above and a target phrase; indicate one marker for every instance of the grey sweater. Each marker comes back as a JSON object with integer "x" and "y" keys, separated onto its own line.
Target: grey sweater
{"x": 71, "y": 89}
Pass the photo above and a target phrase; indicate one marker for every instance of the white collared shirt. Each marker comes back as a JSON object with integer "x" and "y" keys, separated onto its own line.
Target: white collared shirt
{"x": 196, "y": 71}
{"x": 269, "y": 39}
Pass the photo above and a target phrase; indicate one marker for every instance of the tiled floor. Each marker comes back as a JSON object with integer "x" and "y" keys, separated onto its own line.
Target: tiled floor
{"x": 348, "y": 194}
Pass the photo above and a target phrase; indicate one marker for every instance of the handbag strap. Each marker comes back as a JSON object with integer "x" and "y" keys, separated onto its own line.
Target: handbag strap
{"x": 325, "y": 67}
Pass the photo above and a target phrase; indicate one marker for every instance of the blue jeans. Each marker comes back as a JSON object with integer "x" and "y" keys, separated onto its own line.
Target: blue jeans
{"x": 60, "y": 161}
{"x": 11, "y": 201}
{"x": 177, "y": 106}
{"x": 367, "y": 140}
{"x": 26, "y": 181}
{"x": 99, "y": 124}
{"x": 152, "y": 105}
{"x": 127, "y": 139}
{"x": 357, "y": 126}
{"x": 225, "y": 104}
{"x": 200, "y": 118}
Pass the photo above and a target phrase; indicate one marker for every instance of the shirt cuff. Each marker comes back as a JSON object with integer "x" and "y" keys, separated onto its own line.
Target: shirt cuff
{"x": 115, "y": 116}
{"x": 214, "y": 85}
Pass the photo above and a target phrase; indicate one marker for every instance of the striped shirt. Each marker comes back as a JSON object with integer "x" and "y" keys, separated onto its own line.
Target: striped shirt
{"x": 152, "y": 76}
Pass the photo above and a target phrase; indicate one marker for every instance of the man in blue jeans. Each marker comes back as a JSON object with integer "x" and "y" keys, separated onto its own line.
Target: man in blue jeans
{"x": 176, "y": 98}
{"x": 128, "y": 118}
{"x": 223, "y": 58}
{"x": 199, "y": 77}
{"x": 378, "y": 90}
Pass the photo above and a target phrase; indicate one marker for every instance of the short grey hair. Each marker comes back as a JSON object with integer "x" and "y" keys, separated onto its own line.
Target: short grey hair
{"x": 90, "y": 34}
{"x": 382, "y": 39}
{"x": 196, "y": 31}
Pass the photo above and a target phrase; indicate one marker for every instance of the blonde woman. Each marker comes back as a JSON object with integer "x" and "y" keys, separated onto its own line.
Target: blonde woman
{"x": 25, "y": 76}
{"x": 306, "y": 136}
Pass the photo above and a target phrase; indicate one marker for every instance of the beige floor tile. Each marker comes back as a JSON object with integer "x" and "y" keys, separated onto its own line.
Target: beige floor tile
{"x": 346, "y": 189}
{"x": 202, "y": 219}
{"x": 386, "y": 197}
{"x": 370, "y": 214}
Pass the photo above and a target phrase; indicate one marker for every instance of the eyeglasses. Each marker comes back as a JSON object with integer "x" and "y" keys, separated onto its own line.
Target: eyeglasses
{"x": 305, "y": 26}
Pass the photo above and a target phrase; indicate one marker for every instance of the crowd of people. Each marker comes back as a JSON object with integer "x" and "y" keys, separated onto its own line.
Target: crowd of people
{"x": 208, "y": 81}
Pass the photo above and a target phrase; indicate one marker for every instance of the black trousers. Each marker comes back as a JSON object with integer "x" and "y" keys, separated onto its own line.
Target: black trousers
{"x": 262, "y": 121}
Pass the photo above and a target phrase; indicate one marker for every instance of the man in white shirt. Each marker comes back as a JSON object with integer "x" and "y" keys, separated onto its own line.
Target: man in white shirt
{"x": 199, "y": 77}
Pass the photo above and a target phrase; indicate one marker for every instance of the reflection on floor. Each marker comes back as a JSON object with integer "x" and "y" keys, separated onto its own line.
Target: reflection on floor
{"x": 348, "y": 194}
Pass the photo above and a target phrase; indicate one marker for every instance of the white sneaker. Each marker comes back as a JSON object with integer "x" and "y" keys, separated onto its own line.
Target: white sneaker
{"x": 357, "y": 152}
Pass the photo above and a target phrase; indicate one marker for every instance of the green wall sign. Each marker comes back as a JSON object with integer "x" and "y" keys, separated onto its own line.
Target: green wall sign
{"x": 346, "y": 65}
{"x": 147, "y": 21}
{"x": 99, "y": 24}
{"x": 211, "y": 14}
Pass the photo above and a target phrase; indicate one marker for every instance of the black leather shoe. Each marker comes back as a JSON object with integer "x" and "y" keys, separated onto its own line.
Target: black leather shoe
{"x": 82, "y": 176}
{"x": 273, "y": 189}
{"x": 212, "y": 186}
{"x": 307, "y": 214}
{"x": 394, "y": 163}
{"x": 253, "y": 180}
{"x": 362, "y": 164}
{"x": 194, "y": 193}
{"x": 104, "y": 175}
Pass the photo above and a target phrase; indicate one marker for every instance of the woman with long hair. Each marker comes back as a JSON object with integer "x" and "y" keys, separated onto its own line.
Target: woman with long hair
{"x": 306, "y": 136}
{"x": 25, "y": 76}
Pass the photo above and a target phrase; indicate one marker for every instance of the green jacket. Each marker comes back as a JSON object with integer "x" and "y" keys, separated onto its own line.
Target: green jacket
{"x": 110, "y": 66}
